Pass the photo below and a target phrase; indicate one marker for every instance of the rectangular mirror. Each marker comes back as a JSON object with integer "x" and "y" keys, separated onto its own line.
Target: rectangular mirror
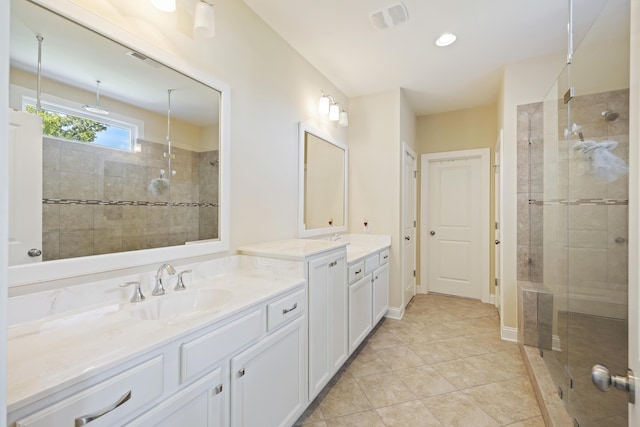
{"x": 117, "y": 159}
{"x": 323, "y": 183}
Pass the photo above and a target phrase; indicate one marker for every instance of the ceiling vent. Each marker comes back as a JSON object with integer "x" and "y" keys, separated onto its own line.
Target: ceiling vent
{"x": 389, "y": 16}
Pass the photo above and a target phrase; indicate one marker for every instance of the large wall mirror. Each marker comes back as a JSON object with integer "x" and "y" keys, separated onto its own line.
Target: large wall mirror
{"x": 323, "y": 183}
{"x": 119, "y": 156}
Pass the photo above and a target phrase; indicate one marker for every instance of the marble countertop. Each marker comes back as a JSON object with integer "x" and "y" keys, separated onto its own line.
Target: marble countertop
{"x": 358, "y": 246}
{"x": 291, "y": 249}
{"x": 52, "y": 353}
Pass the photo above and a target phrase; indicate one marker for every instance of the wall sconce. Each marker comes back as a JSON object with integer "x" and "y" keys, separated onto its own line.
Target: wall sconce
{"x": 204, "y": 22}
{"x": 164, "y": 5}
{"x": 328, "y": 105}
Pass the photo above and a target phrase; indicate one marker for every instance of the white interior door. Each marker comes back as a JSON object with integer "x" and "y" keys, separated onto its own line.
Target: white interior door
{"x": 25, "y": 187}
{"x": 498, "y": 222}
{"x": 455, "y": 195}
{"x": 409, "y": 216}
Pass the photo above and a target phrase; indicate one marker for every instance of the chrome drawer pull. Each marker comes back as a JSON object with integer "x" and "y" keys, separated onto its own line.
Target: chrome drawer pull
{"x": 86, "y": 419}
{"x": 333, "y": 264}
{"x": 286, "y": 310}
{"x": 386, "y": 257}
{"x": 359, "y": 271}
{"x": 218, "y": 389}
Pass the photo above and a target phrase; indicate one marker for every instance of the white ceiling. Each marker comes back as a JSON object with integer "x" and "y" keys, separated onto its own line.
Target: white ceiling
{"x": 337, "y": 37}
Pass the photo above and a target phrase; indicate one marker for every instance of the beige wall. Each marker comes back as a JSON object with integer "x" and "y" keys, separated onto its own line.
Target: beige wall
{"x": 460, "y": 130}
{"x": 524, "y": 83}
{"x": 374, "y": 174}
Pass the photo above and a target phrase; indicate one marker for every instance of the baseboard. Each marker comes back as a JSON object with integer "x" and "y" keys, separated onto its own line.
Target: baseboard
{"x": 509, "y": 334}
{"x": 395, "y": 313}
{"x": 555, "y": 343}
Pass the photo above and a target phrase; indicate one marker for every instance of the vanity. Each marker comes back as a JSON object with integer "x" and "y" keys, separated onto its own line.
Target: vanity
{"x": 206, "y": 356}
{"x": 286, "y": 313}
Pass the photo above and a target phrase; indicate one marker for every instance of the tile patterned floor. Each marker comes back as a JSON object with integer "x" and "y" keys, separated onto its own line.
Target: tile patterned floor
{"x": 442, "y": 365}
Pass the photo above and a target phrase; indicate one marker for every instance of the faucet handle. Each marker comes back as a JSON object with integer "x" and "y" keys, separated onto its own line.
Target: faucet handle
{"x": 180, "y": 284}
{"x": 137, "y": 293}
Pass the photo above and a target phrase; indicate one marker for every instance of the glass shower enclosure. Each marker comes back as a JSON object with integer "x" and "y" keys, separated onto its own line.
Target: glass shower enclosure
{"x": 576, "y": 143}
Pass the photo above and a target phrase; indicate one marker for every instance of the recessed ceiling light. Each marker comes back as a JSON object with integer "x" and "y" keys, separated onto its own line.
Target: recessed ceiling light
{"x": 445, "y": 39}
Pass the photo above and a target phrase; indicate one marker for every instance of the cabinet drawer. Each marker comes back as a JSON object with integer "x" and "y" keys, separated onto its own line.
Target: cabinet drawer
{"x": 371, "y": 263}
{"x": 285, "y": 308}
{"x": 356, "y": 271}
{"x": 384, "y": 257}
{"x": 201, "y": 353}
{"x": 107, "y": 403}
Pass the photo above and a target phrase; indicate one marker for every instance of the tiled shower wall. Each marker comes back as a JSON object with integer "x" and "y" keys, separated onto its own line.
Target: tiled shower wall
{"x": 585, "y": 219}
{"x": 530, "y": 186}
{"x": 96, "y": 200}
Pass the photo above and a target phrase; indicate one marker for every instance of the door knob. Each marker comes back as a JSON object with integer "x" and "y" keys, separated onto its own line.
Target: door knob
{"x": 497, "y": 242}
{"x": 407, "y": 238}
{"x": 433, "y": 233}
{"x": 34, "y": 252}
{"x": 603, "y": 380}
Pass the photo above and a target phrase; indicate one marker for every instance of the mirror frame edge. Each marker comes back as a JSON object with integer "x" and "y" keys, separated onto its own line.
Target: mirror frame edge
{"x": 26, "y": 274}
{"x": 308, "y": 127}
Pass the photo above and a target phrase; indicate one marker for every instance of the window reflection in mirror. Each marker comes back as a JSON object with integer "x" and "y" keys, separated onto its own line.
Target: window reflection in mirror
{"x": 100, "y": 197}
{"x": 323, "y": 183}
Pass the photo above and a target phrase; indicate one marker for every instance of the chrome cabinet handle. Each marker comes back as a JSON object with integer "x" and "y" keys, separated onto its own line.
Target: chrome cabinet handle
{"x": 86, "y": 419}
{"x": 386, "y": 257}
{"x": 359, "y": 271}
{"x": 286, "y": 310}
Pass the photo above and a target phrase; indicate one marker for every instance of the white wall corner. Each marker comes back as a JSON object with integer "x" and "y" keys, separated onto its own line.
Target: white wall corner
{"x": 395, "y": 313}
{"x": 509, "y": 334}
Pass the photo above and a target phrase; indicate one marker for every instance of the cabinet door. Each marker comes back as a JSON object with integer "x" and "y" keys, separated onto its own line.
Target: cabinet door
{"x": 380, "y": 293}
{"x": 328, "y": 338}
{"x": 359, "y": 312}
{"x": 338, "y": 315}
{"x": 202, "y": 404}
{"x": 267, "y": 380}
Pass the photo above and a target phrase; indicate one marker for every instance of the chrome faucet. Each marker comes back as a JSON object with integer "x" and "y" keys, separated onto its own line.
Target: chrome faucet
{"x": 159, "y": 288}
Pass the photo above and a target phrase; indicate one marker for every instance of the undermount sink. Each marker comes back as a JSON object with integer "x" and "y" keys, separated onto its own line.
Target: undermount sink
{"x": 180, "y": 304}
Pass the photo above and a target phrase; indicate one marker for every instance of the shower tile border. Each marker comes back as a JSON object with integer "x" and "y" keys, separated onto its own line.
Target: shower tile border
{"x": 584, "y": 202}
{"x": 125, "y": 203}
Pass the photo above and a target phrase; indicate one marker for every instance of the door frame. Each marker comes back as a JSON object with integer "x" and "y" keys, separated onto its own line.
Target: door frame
{"x": 407, "y": 149}
{"x": 499, "y": 217}
{"x": 484, "y": 154}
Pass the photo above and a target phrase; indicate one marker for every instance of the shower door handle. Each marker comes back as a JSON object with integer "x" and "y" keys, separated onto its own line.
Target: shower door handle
{"x": 603, "y": 380}
{"x": 34, "y": 253}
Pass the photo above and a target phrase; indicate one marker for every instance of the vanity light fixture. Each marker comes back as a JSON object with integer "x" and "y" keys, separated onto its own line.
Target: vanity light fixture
{"x": 328, "y": 105}
{"x": 164, "y": 5}
{"x": 344, "y": 119}
{"x": 334, "y": 112}
{"x": 445, "y": 39}
{"x": 324, "y": 103}
{"x": 204, "y": 22}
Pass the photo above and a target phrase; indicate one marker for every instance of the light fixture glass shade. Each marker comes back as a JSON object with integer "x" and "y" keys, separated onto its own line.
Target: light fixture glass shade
{"x": 204, "y": 22}
{"x": 323, "y": 105}
{"x": 164, "y": 5}
{"x": 344, "y": 118}
{"x": 334, "y": 112}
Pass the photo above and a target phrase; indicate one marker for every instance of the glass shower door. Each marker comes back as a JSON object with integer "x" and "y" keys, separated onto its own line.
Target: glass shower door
{"x": 597, "y": 147}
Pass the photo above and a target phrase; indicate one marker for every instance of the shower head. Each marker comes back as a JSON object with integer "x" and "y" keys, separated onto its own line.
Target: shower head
{"x": 610, "y": 116}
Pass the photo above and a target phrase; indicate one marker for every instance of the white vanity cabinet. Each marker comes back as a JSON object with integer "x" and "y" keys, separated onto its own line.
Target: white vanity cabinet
{"x": 200, "y": 404}
{"x": 328, "y": 321}
{"x": 246, "y": 369}
{"x": 268, "y": 379}
{"x": 368, "y": 294}
{"x": 360, "y": 318}
{"x": 380, "y": 292}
